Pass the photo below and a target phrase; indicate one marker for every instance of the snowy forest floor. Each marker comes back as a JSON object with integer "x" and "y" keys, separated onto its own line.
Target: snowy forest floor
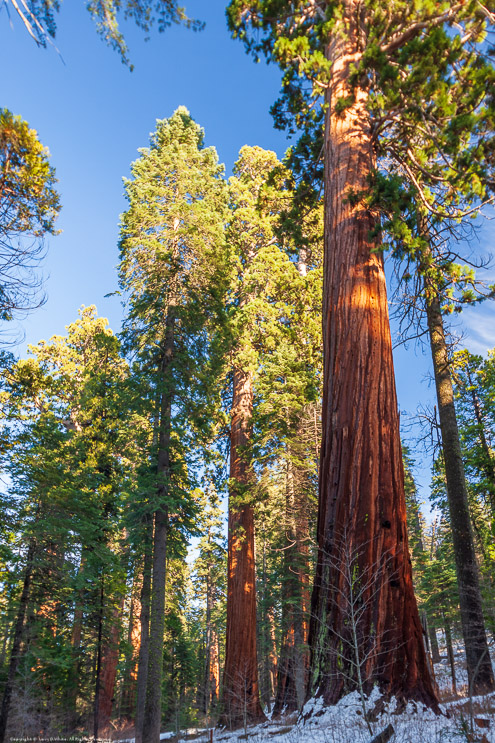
{"x": 462, "y": 719}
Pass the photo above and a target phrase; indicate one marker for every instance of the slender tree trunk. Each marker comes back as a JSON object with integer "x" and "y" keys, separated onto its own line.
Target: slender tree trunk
{"x": 214, "y": 678}
{"x": 109, "y": 663}
{"x": 362, "y": 506}
{"x": 16, "y": 641}
{"x": 240, "y": 679}
{"x": 488, "y": 459}
{"x": 99, "y": 643}
{"x": 74, "y": 672}
{"x": 210, "y": 634}
{"x": 153, "y": 708}
{"x": 450, "y": 653}
{"x": 435, "y": 650}
{"x": 479, "y": 665}
{"x": 272, "y": 650}
{"x": 142, "y": 674}
{"x": 264, "y": 634}
{"x": 293, "y": 665}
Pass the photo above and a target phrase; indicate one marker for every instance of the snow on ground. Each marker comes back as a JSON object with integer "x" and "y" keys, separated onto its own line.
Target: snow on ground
{"x": 462, "y": 719}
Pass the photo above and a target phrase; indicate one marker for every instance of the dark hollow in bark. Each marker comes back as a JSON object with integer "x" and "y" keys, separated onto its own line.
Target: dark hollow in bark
{"x": 362, "y": 509}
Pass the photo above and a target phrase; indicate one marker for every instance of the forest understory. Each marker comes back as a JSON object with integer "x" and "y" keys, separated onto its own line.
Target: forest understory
{"x": 462, "y": 718}
{"x": 211, "y": 515}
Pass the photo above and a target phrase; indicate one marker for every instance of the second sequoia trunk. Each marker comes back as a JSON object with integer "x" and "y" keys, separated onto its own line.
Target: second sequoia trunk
{"x": 362, "y": 510}
{"x": 241, "y": 703}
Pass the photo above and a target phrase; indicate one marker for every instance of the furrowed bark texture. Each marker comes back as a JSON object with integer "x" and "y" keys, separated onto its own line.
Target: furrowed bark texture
{"x": 153, "y": 708}
{"x": 240, "y": 679}
{"x": 480, "y": 673}
{"x": 362, "y": 509}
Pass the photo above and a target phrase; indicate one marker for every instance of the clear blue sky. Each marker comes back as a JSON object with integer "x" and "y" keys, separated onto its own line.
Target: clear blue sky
{"x": 94, "y": 114}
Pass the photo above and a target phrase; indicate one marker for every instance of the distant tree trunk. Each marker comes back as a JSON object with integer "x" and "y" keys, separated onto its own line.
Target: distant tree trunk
{"x": 361, "y": 499}
{"x": 293, "y": 662}
{"x": 214, "y": 680}
{"x": 488, "y": 459}
{"x": 153, "y": 708}
{"x": 97, "y": 665}
{"x": 16, "y": 641}
{"x": 74, "y": 672}
{"x": 273, "y": 650}
{"x": 240, "y": 679}
{"x": 479, "y": 665}
{"x": 212, "y": 671}
{"x": 435, "y": 650}
{"x": 450, "y": 652}
{"x": 263, "y": 622}
{"x": 144, "y": 619}
{"x": 109, "y": 663}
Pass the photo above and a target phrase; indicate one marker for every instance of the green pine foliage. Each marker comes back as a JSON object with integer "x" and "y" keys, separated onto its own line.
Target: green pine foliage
{"x": 68, "y": 475}
{"x": 29, "y": 206}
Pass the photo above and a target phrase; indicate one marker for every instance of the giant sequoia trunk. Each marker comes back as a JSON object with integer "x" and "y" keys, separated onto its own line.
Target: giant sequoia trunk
{"x": 153, "y": 707}
{"x": 479, "y": 665}
{"x": 363, "y": 557}
{"x": 241, "y": 703}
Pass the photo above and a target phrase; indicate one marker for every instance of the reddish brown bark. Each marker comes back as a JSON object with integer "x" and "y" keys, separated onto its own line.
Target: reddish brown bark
{"x": 241, "y": 701}
{"x": 109, "y": 663}
{"x": 362, "y": 511}
{"x": 273, "y": 650}
{"x": 214, "y": 668}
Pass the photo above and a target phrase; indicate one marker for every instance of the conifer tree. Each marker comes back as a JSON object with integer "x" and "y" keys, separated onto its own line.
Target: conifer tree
{"x": 68, "y": 464}
{"x": 29, "y": 206}
{"x": 363, "y": 60}
{"x": 172, "y": 266}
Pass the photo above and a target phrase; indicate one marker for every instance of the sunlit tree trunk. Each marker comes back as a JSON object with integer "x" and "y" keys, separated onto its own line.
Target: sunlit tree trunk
{"x": 362, "y": 508}
{"x": 240, "y": 679}
{"x": 214, "y": 668}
